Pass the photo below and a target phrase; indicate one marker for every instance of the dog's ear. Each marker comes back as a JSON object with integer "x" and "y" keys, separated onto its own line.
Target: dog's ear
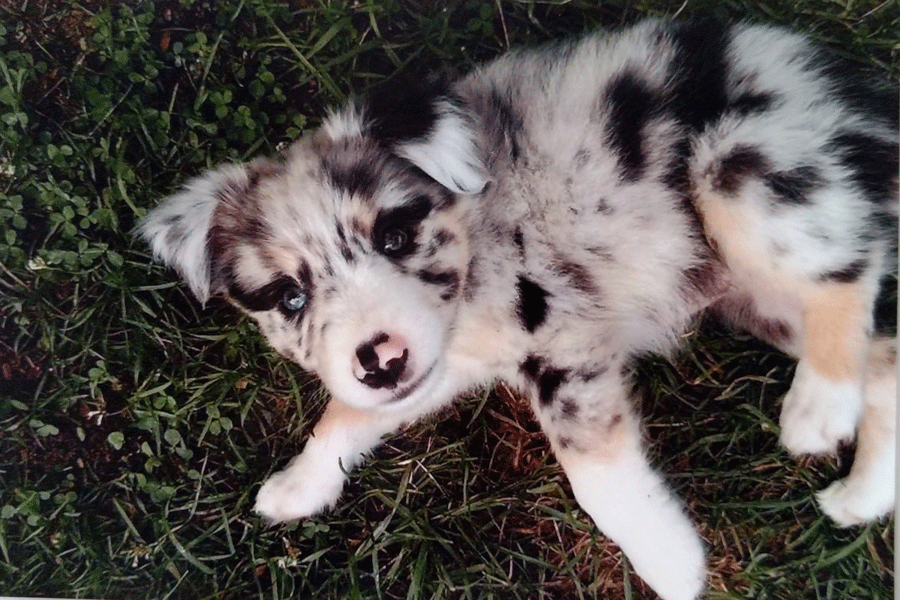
{"x": 178, "y": 230}
{"x": 423, "y": 124}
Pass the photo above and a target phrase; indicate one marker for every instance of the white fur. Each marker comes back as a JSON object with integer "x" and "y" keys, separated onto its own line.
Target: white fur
{"x": 868, "y": 492}
{"x": 817, "y": 413}
{"x": 629, "y": 502}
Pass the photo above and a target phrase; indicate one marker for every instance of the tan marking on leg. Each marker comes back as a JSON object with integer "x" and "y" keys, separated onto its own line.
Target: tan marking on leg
{"x": 836, "y": 321}
{"x": 593, "y": 442}
{"x": 339, "y": 415}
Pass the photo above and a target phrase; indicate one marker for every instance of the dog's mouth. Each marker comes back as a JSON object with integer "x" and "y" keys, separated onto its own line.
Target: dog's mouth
{"x": 404, "y": 391}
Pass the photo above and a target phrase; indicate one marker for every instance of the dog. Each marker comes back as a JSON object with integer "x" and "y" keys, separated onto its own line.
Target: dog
{"x": 551, "y": 216}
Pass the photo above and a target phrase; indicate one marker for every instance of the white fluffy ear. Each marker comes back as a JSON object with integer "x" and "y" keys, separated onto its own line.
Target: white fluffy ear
{"x": 448, "y": 152}
{"x": 178, "y": 229}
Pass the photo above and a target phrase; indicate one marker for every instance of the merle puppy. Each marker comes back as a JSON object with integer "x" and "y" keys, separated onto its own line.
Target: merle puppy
{"x": 548, "y": 218}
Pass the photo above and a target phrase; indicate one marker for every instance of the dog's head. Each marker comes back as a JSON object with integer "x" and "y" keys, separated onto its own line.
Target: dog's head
{"x": 351, "y": 253}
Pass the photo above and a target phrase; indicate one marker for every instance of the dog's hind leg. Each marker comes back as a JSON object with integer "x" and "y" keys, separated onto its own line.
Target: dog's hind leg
{"x": 868, "y": 492}
{"x": 825, "y": 401}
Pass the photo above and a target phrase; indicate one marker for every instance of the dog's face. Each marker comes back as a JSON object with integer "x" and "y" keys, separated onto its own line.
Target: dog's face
{"x": 351, "y": 258}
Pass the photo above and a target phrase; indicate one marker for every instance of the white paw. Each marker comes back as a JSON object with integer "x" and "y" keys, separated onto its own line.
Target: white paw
{"x": 630, "y": 503}
{"x": 817, "y": 413}
{"x": 850, "y": 502}
{"x": 676, "y": 568}
{"x": 301, "y": 490}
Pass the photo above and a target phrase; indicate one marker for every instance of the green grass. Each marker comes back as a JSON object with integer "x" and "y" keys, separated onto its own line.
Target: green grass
{"x": 136, "y": 426}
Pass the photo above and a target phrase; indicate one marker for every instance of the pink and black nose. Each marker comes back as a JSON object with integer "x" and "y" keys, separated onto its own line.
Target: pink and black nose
{"x": 381, "y": 362}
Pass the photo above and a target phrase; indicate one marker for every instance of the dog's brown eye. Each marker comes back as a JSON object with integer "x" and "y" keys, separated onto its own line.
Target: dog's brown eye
{"x": 294, "y": 299}
{"x": 394, "y": 241}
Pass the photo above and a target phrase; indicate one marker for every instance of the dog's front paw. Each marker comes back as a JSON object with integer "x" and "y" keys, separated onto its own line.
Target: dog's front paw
{"x": 301, "y": 490}
{"x": 676, "y": 569}
{"x": 852, "y": 502}
{"x": 817, "y": 414}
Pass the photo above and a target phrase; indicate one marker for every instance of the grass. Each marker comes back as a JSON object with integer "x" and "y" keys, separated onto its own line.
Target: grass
{"x": 136, "y": 426}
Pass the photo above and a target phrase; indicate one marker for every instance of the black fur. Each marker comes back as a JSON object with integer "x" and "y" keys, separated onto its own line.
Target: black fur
{"x": 699, "y": 96}
{"x": 631, "y": 104}
{"x": 532, "y": 304}
{"x": 548, "y": 382}
{"x": 794, "y": 185}
{"x": 874, "y": 163}
{"x": 353, "y": 179}
{"x": 750, "y": 103}
{"x": 848, "y": 274}
{"x": 742, "y": 162}
{"x": 578, "y": 276}
{"x": 401, "y": 113}
{"x": 447, "y": 279}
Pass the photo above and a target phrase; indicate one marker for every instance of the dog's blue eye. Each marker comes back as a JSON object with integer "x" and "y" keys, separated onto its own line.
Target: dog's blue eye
{"x": 394, "y": 241}
{"x": 294, "y": 299}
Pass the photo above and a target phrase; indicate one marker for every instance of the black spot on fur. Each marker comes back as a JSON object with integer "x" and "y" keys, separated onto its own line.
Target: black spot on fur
{"x": 848, "y": 274}
{"x": 569, "y": 408}
{"x": 882, "y": 223}
{"x": 603, "y": 207}
{"x": 614, "y": 422}
{"x": 577, "y": 275}
{"x": 440, "y": 239}
{"x": 750, "y": 103}
{"x": 519, "y": 241}
{"x": 698, "y": 97}
{"x": 354, "y": 179}
{"x": 400, "y": 112}
{"x": 304, "y": 276}
{"x": 548, "y": 382}
{"x": 564, "y": 442}
{"x": 676, "y": 175}
{"x": 547, "y": 378}
{"x": 677, "y": 178}
{"x": 531, "y": 367}
{"x": 343, "y": 244}
{"x": 532, "y": 304}
{"x": 446, "y": 279}
{"x": 872, "y": 162}
{"x": 793, "y": 186}
{"x": 631, "y": 104}
{"x": 742, "y": 162}
{"x": 473, "y": 278}
{"x": 604, "y": 253}
{"x": 589, "y": 374}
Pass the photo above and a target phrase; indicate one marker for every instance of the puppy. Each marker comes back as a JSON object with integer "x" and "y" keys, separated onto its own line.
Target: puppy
{"x": 548, "y": 218}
